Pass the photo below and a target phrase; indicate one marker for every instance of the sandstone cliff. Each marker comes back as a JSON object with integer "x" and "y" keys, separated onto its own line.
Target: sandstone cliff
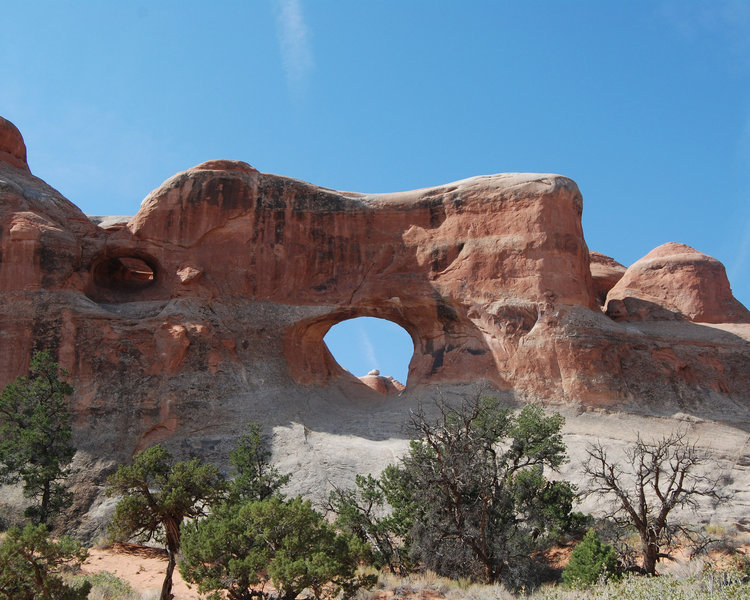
{"x": 208, "y": 308}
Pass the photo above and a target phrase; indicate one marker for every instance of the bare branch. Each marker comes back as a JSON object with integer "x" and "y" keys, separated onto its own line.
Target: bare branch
{"x": 661, "y": 476}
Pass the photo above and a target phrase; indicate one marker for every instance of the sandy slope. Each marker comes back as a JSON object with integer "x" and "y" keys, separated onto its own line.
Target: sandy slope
{"x": 143, "y": 568}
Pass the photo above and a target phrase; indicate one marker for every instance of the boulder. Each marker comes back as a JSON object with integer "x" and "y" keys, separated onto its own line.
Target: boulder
{"x": 383, "y": 385}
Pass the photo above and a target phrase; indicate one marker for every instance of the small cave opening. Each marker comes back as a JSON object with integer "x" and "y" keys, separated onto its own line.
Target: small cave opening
{"x": 124, "y": 273}
{"x": 374, "y": 350}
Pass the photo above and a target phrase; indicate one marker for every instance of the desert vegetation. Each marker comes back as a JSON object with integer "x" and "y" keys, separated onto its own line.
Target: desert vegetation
{"x": 35, "y": 437}
{"x": 157, "y": 498}
{"x": 654, "y": 479}
{"x": 472, "y": 510}
{"x": 470, "y": 498}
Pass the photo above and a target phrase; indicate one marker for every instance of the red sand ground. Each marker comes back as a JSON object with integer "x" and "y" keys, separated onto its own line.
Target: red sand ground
{"x": 143, "y": 568}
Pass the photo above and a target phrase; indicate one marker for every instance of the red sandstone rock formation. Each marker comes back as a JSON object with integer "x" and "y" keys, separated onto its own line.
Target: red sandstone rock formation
{"x": 12, "y": 146}
{"x": 676, "y": 279}
{"x": 385, "y": 385}
{"x": 605, "y": 273}
{"x": 486, "y": 274}
{"x": 489, "y": 275}
{"x": 209, "y": 307}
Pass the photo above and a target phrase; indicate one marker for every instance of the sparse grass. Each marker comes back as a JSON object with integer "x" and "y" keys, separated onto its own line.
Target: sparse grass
{"x": 708, "y": 584}
{"x": 726, "y": 586}
{"x": 481, "y": 592}
{"x": 101, "y": 542}
{"x": 106, "y": 586}
{"x": 427, "y": 584}
{"x": 422, "y": 584}
{"x": 716, "y": 530}
{"x": 714, "y": 577}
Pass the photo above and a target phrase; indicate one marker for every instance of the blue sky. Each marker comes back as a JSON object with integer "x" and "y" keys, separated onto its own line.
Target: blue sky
{"x": 366, "y": 343}
{"x": 646, "y": 105}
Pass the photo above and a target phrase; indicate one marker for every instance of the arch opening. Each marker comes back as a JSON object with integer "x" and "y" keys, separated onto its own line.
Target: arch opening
{"x": 376, "y": 351}
{"x": 126, "y": 273}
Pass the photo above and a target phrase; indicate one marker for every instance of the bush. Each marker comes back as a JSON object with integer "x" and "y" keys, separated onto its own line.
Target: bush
{"x": 590, "y": 562}
{"x": 31, "y": 565}
{"x": 665, "y": 587}
{"x": 379, "y": 513}
{"x": 235, "y": 547}
{"x": 105, "y": 586}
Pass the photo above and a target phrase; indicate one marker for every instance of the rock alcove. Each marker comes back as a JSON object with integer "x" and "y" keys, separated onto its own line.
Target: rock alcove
{"x": 124, "y": 276}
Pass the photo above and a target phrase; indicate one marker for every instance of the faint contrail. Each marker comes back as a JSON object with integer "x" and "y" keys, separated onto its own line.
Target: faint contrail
{"x": 296, "y": 55}
{"x": 741, "y": 254}
{"x": 368, "y": 349}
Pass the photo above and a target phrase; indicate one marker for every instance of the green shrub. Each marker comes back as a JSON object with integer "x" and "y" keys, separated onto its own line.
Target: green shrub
{"x": 31, "y": 565}
{"x": 471, "y": 498}
{"x": 35, "y": 434}
{"x": 287, "y": 541}
{"x": 590, "y": 561}
{"x": 665, "y": 587}
{"x": 106, "y": 586}
{"x": 158, "y": 496}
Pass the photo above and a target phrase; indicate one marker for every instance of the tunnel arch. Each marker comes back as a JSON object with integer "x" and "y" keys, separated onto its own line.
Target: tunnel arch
{"x": 128, "y": 273}
{"x": 375, "y": 350}
{"x": 310, "y": 360}
{"x": 446, "y": 342}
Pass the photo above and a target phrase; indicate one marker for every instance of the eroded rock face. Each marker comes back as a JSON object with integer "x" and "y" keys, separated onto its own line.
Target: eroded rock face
{"x": 605, "y": 273}
{"x": 208, "y": 308}
{"x": 427, "y": 260}
{"x": 675, "y": 281}
{"x": 384, "y": 385}
{"x": 12, "y": 146}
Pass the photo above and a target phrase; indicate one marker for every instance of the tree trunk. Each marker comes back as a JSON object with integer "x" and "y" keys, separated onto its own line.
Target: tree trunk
{"x": 166, "y": 587}
{"x": 489, "y": 572}
{"x": 44, "y": 508}
{"x": 650, "y": 554}
{"x": 289, "y": 595}
{"x": 172, "y": 529}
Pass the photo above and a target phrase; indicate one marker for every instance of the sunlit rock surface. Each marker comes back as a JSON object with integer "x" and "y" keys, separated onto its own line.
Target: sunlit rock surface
{"x": 208, "y": 308}
{"x": 676, "y": 278}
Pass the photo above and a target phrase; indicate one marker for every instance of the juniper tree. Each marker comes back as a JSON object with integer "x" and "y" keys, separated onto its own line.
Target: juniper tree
{"x": 255, "y": 477}
{"x": 380, "y": 512}
{"x": 157, "y": 496}
{"x": 483, "y": 501}
{"x": 255, "y": 534}
{"x": 35, "y": 436}
{"x": 471, "y": 497}
{"x": 284, "y": 540}
{"x": 590, "y": 561}
{"x": 31, "y": 565}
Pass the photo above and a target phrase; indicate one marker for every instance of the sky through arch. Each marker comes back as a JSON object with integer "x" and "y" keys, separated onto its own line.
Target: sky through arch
{"x": 366, "y": 343}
